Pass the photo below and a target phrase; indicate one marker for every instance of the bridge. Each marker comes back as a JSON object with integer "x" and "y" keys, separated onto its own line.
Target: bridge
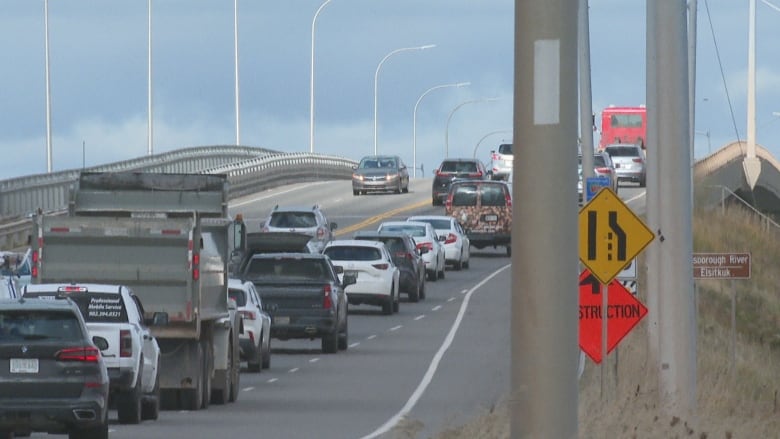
{"x": 719, "y": 178}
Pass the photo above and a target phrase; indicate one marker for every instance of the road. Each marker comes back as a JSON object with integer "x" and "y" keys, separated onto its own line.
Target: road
{"x": 435, "y": 364}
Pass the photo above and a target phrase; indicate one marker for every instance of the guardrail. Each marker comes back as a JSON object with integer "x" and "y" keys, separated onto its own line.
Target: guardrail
{"x": 245, "y": 177}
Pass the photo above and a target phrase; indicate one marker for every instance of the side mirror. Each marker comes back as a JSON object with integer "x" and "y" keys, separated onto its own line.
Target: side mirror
{"x": 333, "y": 226}
{"x": 354, "y": 167}
{"x": 349, "y": 279}
{"x": 338, "y": 269}
{"x": 100, "y": 342}
{"x": 160, "y": 319}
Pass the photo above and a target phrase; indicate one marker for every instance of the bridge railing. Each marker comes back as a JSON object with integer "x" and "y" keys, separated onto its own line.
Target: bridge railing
{"x": 248, "y": 169}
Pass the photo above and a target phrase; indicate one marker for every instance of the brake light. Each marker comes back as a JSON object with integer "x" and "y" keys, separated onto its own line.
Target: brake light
{"x": 248, "y": 315}
{"x": 508, "y": 198}
{"x": 72, "y": 289}
{"x": 85, "y": 354}
{"x": 602, "y": 170}
{"x": 195, "y": 266}
{"x": 125, "y": 344}
{"x": 636, "y": 160}
{"x": 476, "y": 174}
{"x": 450, "y": 238}
{"x": 327, "y": 301}
{"x": 381, "y": 266}
{"x": 494, "y": 156}
{"x": 320, "y": 233}
{"x": 427, "y": 245}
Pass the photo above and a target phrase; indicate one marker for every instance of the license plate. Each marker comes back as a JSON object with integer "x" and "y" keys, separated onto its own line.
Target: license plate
{"x": 24, "y": 365}
{"x": 282, "y": 320}
{"x": 491, "y": 217}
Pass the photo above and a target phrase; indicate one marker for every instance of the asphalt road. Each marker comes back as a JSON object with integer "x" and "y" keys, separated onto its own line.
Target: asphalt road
{"x": 435, "y": 364}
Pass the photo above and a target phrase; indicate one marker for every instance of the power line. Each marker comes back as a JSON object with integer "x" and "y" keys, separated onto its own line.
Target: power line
{"x": 722, "y": 75}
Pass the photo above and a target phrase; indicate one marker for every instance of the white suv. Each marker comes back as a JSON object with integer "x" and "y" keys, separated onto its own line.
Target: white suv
{"x": 132, "y": 356}
{"x": 501, "y": 162}
{"x": 307, "y": 220}
{"x": 255, "y": 336}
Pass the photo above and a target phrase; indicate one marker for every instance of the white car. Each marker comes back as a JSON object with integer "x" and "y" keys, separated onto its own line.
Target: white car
{"x": 255, "y": 337}
{"x": 377, "y": 276}
{"x": 452, "y": 236}
{"x": 424, "y": 236}
{"x": 132, "y": 356}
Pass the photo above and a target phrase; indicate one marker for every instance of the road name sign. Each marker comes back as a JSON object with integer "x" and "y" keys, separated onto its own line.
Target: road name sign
{"x": 610, "y": 235}
{"x": 624, "y": 311}
{"x": 721, "y": 265}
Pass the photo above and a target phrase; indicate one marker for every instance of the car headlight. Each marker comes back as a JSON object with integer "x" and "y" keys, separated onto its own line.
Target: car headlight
{"x": 357, "y": 177}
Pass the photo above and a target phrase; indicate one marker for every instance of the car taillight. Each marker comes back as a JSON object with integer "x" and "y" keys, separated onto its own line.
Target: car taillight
{"x": 327, "y": 301}
{"x": 476, "y": 174}
{"x": 320, "y": 232}
{"x": 508, "y": 198}
{"x": 195, "y": 266}
{"x": 427, "y": 245}
{"x": 125, "y": 344}
{"x": 636, "y": 160}
{"x": 450, "y": 238}
{"x": 381, "y": 266}
{"x": 494, "y": 156}
{"x": 248, "y": 315}
{"x": 602, "y": 170}
{"x": 86, "y": 354}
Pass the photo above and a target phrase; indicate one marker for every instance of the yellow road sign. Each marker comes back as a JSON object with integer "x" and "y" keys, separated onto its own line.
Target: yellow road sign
{"x": 611, "y": 235}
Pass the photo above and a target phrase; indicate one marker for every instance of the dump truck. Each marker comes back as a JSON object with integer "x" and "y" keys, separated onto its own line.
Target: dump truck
{"x": 168, "y": 238}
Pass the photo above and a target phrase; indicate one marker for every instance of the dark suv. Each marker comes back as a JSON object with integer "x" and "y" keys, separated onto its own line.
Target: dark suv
{"x": 451, "y": 169}
{"x": 406, "y": 257}
{"x": 52, "y": 376}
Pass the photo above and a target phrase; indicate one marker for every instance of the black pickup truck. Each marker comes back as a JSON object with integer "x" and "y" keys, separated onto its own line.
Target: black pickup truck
{"x": 301, "y": 291}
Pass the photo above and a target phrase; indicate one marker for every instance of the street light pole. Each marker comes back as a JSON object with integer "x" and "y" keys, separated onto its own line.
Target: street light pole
{"x": 447, "y": 129}
{"x": 376, "y": 81}
{"x": 414, "y": 120}
{"x": 149, "y": 134}
{"x": 311, "y": 79}
{"x": 235, "y": 57}
{"x": 485, "y": 137}
{"x": 48, "y": 86}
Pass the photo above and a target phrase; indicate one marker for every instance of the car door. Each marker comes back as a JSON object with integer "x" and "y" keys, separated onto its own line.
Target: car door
{"x": 466, "y": 244}
{"x": 149, "y": 347}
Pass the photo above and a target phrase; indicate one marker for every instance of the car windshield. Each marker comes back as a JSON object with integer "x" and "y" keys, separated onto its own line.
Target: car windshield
{"x": 293, "y": 219}
{"x": 623, "y": 151}
{"x": 353, "y": 253}
{"x": 458, "y": 167}
{"x": 39, "y": 325}
{"x": 505, "y": 148}
{"x": 238, "y": 295}
{"x": 377, "y": 162}
{"x": 411, "y": 230}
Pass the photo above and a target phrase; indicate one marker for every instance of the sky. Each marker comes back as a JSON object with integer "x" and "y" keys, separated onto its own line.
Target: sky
{"x": 98, "y": 76}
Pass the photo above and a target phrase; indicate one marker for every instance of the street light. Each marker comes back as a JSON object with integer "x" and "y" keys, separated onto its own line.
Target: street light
{"x": 414, "y": 120}
{"x": 48, "y": 86}
{"x": 311, "y": 79}
{"x": 447, "y": 130}
{"x": 485, "y": 137}
{"x": 376, "y": 81}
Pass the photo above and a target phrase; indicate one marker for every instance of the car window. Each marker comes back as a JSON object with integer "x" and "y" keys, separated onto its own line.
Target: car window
{"x": 32, "y": 325}
{"x": 353, "y": 253}
{"x": 368, "y": 164}
{"x": 622, "y": 151}
{"x": 238, "y": 295}
{"x": 465, "y": 195}
{"x": 293, "y": 219}
{"x": 493, "y": 195}
{"x": 411, "y": 230}
{"x": 598, "y": 161}
{"x": 287, "y": 268}
{"x": 505, "y": 148}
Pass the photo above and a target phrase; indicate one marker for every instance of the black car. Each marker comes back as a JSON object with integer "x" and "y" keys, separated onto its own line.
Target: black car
{"x": 406, "y": 256}
{"x": 451, "y": 169}
{"x": 52, "y": 376}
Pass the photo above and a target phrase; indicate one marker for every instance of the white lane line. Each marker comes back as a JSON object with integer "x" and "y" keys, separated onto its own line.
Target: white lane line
{"x": 272, "y": 380}
{"x": 371, "y": 337}
{"x": 450, "y": 299}
{"x": 395, "y": 328}
{"x": 248, "y": 389}
{"x": 314, "y": 360}
{"x": 354, "y": 345}
{"x": 420, "y": 317}
{"x": 464, "y": 291}
{"x": 436, "y": 308}
{"x": 428, "y": 377}
{"x": 293, "y": 370}
{"x": 263, "y": 197}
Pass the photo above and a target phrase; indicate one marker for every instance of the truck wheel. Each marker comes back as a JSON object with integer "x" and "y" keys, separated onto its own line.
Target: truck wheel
{"x": 221, "y": 395}
{"x": 150, "y": 406}
{"x": 330, "y": 343}
{"x": 128, "y": 404}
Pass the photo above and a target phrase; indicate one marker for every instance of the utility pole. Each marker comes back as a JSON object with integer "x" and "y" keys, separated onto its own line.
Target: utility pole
{"x": 751, "y": 163}
{"x": 586, "y": 99}
{"x": 672, "y": 178}
{"x": 545, "y": 262}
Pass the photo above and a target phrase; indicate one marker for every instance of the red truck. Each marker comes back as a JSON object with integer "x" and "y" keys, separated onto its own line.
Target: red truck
{"x": 623, "y": 125}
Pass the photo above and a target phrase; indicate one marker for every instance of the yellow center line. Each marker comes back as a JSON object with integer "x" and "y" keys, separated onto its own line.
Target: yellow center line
{"x": 377, "y": 218}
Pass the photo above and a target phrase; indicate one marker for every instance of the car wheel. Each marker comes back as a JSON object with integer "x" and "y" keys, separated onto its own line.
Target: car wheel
{"x": 396, "y": 302}
{"x": 458, "y": 265}
{"x": 330, "y": 342}
{"x": 387, "y": 306}
{"x": 441, "y": 273}
{"x": 355, "y": 192}
{"x": 255, "y": 363}
{"x": 150, "y": 406}
{"x": 128, "y": 404}
{"x": 466, "y": 263}
{"x": 399, "y": 189}
{"x": 414, "y": 296}
{"x": 344, "y": 336}
{"x": 267, "y": 356}
{"x": 433, "y": 276}
{"x": 422, "y": 287}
